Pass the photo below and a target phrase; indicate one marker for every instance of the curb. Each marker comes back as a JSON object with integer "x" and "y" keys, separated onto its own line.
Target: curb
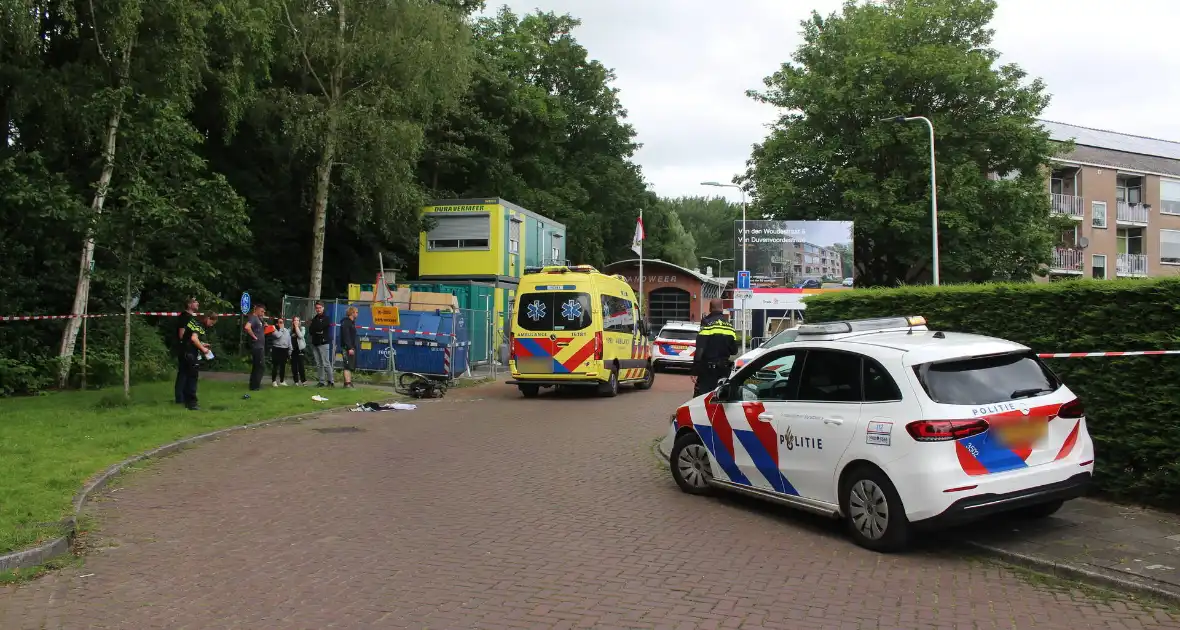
{"x": 1098, "y": 577}
{"x": 61, "y": 545}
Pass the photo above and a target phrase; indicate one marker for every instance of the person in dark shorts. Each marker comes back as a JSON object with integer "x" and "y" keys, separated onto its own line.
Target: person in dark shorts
{"x": 257, "y": 332}
{"x": 190, "y": 311}
{"x": 348, "y": 344}
{"x": 192, "y": 348}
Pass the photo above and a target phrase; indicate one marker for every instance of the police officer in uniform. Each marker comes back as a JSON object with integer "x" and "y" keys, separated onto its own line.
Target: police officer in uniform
{"x": 192, "y": 348}
{"x": 190, "y": 312}
{"x": 716, "y": 345}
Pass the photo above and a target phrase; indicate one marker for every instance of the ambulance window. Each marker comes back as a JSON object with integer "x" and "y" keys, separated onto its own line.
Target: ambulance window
{"x": 554, "y": 311}
{"x": 618, "y": 315}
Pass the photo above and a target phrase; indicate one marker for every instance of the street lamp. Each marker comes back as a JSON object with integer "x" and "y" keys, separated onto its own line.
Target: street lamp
{"x": 744, "y": 237}
{"x": 933, "y": 185}
{"x": 720, "y": 261}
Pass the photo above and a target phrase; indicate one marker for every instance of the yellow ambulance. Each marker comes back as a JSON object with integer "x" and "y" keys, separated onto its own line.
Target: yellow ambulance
{"x": 574, "y": 326}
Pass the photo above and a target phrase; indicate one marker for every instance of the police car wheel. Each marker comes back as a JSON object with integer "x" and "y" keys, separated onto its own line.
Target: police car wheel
{"x": 649, "y": 379}
{"x": 610, "y": 388}
{"x": 690, "y": 465}
{"x": 873, "y": 511}
{"x": 529, "y": 391}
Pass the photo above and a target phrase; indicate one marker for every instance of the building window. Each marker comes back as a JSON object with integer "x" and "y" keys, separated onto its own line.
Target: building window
{"x": 555, "y": 248}
{"x": 1170, "y": 247}
{"x": 470, "y": 231}
{"x": 1098, "y": 266}
{"x": 1169, "y": 196}
{"x": 514, "y": 236}
{"x": 1098, "y": 210}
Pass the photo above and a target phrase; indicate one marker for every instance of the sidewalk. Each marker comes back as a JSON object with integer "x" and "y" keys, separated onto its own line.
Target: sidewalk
{"x": 1101, "y": 543}
{"x": 1104, "y": 543}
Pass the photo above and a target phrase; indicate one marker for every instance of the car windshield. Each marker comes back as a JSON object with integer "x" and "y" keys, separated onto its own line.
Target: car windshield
{"x": 678, "y": 334}
{"x": 986, "y": 380}
{"x": 786, "y": 336}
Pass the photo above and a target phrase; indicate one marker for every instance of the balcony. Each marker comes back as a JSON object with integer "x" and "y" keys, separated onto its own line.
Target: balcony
{"x": 1131, "y": 265}
{"x": 1067, "y": 260}
{"x": 1067, "y": 205}
{"x": 1133, "y": 213}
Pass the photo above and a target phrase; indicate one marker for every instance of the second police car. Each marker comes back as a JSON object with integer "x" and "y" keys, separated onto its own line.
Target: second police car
{"x": 675, "y": 345}
{"x": 891, "y": 427}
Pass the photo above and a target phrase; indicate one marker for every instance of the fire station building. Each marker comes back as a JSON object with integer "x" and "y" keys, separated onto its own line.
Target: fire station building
{"x": 673, "y": 293}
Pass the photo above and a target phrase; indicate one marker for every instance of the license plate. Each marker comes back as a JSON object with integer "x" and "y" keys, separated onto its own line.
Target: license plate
{"x": 679, "y": 348}
{"x": 534, "y": 365}
{"x": 1019, "y": 434}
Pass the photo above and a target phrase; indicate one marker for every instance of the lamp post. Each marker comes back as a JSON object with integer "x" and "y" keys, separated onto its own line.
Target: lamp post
{"x": 745, "y": 314}
{"x": 720, "y": 261}
{"x": 933, "y": 186}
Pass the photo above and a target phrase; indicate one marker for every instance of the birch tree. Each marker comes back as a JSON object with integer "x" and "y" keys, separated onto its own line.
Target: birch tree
{"x": 367, "y": 76}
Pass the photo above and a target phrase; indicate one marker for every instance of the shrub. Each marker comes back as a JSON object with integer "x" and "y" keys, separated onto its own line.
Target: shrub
{"x": 1131, "y": 403}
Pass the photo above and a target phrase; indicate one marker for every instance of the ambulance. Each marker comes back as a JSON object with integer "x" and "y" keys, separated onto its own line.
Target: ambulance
{"x": 573, "y": 326}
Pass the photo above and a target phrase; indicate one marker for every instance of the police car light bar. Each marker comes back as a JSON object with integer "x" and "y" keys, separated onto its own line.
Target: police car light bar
{"x": 862, "y": 325}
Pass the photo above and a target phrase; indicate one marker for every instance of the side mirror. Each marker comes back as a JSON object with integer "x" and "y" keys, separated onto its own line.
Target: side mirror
{"x": 723, "y": 389}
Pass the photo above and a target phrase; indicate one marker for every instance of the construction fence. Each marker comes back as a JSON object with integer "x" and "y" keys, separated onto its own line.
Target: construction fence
{"x": 444, "y": 342}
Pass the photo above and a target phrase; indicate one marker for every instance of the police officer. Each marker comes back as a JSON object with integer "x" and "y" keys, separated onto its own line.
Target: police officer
{"x": 716, "y": 345}
{"x": 192, "y": 348}
{"x": 190, "y": 312}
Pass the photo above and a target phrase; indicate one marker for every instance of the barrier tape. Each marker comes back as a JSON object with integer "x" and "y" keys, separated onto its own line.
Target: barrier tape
{"x": 29, "y": 318}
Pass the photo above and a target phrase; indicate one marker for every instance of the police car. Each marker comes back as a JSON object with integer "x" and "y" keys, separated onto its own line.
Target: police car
{"x": 675, "y": 345}
{"x": 784, "y": 336}
{"x": 891, "y": 427}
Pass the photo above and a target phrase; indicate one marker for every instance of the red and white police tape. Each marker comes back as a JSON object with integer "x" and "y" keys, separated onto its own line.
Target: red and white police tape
{"x": 29, "y": 318}
{"x": 1086, "y": 355}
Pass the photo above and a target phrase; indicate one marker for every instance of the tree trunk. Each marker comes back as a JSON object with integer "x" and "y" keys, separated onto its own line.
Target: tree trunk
{"x": 127, "y": 338}
{"x": 82, "y": 290}
{"x": 323, "y": 170}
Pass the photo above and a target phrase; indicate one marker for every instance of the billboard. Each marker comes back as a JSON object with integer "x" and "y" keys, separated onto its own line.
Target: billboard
{"x": 798, "y": 254}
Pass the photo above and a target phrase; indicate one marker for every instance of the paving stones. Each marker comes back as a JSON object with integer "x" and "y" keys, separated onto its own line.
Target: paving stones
{"x": 486, "y": 510}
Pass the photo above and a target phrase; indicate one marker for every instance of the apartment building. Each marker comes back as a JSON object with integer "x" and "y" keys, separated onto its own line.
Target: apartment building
{"x": 1123, "y": 194}
{"x": 805, "y": 261}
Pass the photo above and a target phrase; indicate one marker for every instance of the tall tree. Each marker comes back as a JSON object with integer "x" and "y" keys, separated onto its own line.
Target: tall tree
{"x": 830, "y": 156}
{"x": 364, "y": 78}
{"x": 543, "y": 126}
{"x": 710, "y": 222}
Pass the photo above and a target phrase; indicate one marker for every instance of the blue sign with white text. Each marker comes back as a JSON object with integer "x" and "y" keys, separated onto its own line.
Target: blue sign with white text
{"x": 743, "y": 281}
{"x": 245, "y": 303}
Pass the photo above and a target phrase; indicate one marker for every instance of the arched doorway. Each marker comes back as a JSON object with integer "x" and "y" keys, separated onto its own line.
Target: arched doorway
{"x": 668, "y": 304}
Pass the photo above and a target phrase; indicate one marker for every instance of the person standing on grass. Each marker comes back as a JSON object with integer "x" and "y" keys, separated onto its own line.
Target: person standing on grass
{"x": 320, "y": 348}
{"x": 298, "y": 345}
{"x": 279, "y": 353}
{"x": 190, "y": 312}
{"x": 191, "y": 351}
{"x": 257, "y": 331}
{"x": 348, "y": 344}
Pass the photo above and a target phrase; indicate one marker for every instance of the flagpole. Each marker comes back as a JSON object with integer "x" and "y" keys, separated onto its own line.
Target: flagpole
{"x": 642, "y": 302}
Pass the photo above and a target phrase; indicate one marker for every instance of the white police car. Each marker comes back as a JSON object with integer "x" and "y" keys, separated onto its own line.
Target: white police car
{"x": 891, "y": 427}
{"x": 675, "y": 345}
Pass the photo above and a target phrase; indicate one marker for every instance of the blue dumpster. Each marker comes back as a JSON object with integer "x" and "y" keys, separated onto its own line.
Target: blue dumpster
{"x": 423, "y": 343}
{"x": 374, "y": 352}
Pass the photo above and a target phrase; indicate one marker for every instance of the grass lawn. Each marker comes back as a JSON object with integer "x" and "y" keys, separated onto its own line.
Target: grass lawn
{"x": 50, "y": 445}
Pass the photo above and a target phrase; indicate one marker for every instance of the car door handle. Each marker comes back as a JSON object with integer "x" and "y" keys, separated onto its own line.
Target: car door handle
{"x": 766, "y": 417}
{"x": 836, "y": 421}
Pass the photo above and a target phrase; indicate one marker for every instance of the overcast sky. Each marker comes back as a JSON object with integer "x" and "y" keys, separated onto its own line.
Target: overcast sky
{"x": 683, "y": 68}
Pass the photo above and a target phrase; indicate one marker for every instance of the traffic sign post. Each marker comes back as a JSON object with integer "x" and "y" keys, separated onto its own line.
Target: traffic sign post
{"x": 244, "y": 303}
{"x": 743, "y": 281}
{"x": 743, "y": 292}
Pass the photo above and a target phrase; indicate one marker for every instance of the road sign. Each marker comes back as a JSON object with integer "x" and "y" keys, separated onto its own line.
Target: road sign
{"x": 386, "y": 316}
{"x": 743, "y": 280}
{"x": 743, "y": 294}
{"x": 244, "y": 304}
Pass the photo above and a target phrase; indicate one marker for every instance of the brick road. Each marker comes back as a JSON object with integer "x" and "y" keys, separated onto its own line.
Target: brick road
{"x": 489, "y": 511}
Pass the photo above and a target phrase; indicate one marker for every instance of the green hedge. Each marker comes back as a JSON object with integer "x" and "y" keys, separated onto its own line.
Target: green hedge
{"x": 1131, "y": 403}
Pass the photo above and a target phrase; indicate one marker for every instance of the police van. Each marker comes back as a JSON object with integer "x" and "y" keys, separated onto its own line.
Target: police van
{"x": 574, "y": 326}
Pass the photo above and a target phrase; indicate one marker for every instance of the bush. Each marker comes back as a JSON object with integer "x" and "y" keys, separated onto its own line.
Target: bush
{"x": 1131, "y": 403}
{"x": 26, "y": 376}
{"x": 151, "y": 357}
